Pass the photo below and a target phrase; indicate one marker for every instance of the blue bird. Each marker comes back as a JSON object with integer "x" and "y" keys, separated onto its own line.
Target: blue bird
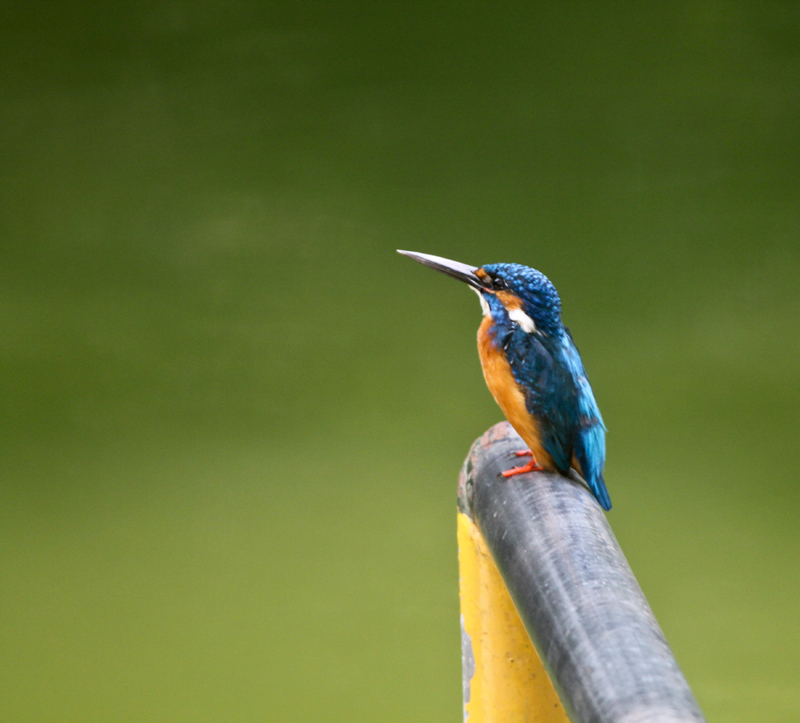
{"x": 533, "y": 369}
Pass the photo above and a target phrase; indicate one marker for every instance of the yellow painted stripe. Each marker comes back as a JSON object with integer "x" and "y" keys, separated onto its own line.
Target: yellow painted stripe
{"x": 509, "y": 683}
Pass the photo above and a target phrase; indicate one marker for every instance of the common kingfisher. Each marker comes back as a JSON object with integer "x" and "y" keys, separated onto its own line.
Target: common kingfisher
{"x": 533, "y": 369}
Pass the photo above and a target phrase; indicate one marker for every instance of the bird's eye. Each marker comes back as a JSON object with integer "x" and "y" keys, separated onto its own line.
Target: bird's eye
{"x": 498, "y": 283}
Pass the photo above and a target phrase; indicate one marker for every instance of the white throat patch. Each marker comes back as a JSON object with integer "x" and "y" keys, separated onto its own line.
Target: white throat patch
{"x": 522, "y": 319}
{"x": 484, "y": 306}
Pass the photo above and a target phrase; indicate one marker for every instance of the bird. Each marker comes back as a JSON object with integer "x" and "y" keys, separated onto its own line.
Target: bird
{"x": 534, "y": 370}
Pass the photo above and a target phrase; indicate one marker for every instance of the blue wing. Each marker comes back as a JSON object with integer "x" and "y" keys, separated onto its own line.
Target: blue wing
{"x": 589, "y": 437}
{"x": 548, "y": 392}
{"x": 560, "y": 397}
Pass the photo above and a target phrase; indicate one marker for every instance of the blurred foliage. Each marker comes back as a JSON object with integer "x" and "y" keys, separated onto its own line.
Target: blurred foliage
{"x": 232, "y": 416}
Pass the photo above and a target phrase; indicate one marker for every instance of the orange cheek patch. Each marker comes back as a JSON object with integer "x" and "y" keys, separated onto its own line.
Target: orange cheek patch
{"x": 509, "y": 300}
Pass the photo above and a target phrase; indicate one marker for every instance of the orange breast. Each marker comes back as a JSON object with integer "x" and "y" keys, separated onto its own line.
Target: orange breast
{"x": 504, "y": 389}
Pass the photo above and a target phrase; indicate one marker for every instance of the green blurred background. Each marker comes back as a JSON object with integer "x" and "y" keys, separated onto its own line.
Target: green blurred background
{"x": 232, "y": 416}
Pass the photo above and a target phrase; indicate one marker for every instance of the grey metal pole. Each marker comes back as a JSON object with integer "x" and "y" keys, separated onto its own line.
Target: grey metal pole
{"x": 574, "y": 591}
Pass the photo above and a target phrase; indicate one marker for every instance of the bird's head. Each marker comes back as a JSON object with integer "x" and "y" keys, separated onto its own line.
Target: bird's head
{"x": 522, "y": 294}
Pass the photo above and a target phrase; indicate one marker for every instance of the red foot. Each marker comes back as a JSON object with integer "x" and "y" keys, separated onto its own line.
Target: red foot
{"x": 532, "y": 466}
{"x": 524, "y": 453}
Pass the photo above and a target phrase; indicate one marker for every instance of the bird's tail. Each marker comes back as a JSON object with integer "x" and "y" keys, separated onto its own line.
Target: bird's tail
{"x": 598, "y": 487}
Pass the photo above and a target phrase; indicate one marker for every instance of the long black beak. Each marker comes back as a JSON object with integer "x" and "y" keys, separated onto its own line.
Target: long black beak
{"x": 457, "y": 270}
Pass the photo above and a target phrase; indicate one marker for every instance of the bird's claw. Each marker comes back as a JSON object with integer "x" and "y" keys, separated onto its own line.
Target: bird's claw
{"x": 532, "y": 466}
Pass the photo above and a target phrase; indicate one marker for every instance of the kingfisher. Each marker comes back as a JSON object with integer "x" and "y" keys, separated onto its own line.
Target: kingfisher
{"x": 533, "y": 369}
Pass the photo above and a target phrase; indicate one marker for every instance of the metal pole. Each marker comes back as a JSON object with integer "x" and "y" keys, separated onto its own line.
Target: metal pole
{"x": 573, "y": 590}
